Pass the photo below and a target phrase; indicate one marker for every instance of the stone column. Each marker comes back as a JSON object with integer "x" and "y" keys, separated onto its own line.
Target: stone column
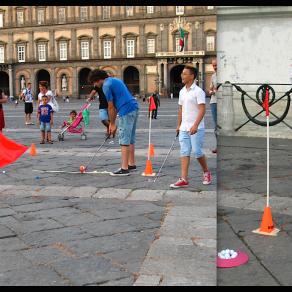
{"x": 159, "y": 78}
{"x": 51, "y": 46}
{"x": 95, "y": 43}
{"x": 143, "y": 79}
{"x": 75, "y": 83}
{"x": 33, "y": 85}
{"x": 226, "y": 112}
{"x": 51, "y": 14}
{"x": 118, "y": 42}
{"x": 11, "y": 88}
{"x": 141, "y": 40}
{"x": 73, "y": 43}
{"x": 31, "y": 45}
{"x": 10, "y": 48}
{"x": 165, "y": 74}
{"x": 53, "y": 80}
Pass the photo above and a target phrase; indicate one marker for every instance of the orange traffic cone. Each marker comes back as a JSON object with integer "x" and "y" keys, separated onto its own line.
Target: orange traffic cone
{"x": 149, "y": 169}
{"x": 151, "y": 150}
{"x": 33, "y": 151}
{"x": 267, "y": 226}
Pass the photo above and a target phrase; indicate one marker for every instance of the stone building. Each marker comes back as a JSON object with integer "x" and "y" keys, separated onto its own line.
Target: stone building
{"x": 139, "y": 44}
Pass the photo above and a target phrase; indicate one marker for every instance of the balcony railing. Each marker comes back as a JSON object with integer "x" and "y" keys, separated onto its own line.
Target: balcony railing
{"x": 180, "y": 54}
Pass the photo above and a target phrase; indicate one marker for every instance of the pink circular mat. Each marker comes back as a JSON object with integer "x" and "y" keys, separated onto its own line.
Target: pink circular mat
{"x": 241, "y": 259}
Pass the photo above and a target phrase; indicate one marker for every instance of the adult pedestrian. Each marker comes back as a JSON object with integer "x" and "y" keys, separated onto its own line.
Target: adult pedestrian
{"x": 44, "y": 91}
{"x": 191, "y": 127}
{"x": 213, "y": 100}
{"x": 156, "y": 98}
{"x": 27, "y": 97}
{"x": 121, "y": 102}
{"x": 3, "y": 99}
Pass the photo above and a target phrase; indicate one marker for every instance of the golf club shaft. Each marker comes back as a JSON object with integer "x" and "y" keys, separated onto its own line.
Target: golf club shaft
{"x": 97, "y": 151}
{"x": 170, "y": 150}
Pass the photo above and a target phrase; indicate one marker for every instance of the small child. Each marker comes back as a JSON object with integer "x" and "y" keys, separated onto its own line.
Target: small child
{"x": 45, "y": 119}
{"x": 72, "y": 118}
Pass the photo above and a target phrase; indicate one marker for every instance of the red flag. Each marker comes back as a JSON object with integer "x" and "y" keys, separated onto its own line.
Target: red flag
{"x": 10, "y": 151}
{"x": 266, "y": 103}
{"x": 152, "y": 106}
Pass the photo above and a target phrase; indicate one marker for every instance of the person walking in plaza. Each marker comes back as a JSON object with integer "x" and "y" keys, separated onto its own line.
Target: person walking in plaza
{"x": 157, "y": 104}
{"x": 120, "y": 102}
{"x": 3, "y": 99}
{"x": 191, "y": 127}
{"x": 45, "y": 120}
{"x": 103, "y": 106}
{"x": 213, "y": 100}
{"x": 27, "y": 97}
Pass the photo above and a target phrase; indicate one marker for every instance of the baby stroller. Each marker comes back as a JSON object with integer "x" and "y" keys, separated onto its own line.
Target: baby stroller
{"x": 74, "y": 128}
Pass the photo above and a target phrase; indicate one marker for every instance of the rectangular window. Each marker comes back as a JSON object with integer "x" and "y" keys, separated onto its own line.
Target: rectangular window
{"x": 2, "y": 58}
{"x": 129, "y": 10}
{"x": 107, "y": 49}
{"x": 41, "y": 16}
{"x": 21, "y": 54}
{"x": 63, "y": 51}
{"x": 62, "y": 14}
{"x": 106, "y": 10}
{"x": 210, "y": 43}
{"x": 150, "y": 46}
{"x": 20, "y": 17}
{"x": 180, "y": 10}
{"x": 42, "y": 52}
{"x": 84, "y": 50}
{"x": 130, "y": 48}
{"x": 150, "y": 9}
{"x": 1, "y": 20}
{"x": 84, "y": 13}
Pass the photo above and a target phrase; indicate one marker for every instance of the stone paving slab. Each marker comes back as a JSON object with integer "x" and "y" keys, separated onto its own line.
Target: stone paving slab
{"x": 112, "y": 193}
{"x": 146, "y": 195}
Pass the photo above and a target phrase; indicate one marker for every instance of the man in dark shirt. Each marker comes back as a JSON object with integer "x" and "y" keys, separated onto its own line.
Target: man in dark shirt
{"x": 103, "y": 106}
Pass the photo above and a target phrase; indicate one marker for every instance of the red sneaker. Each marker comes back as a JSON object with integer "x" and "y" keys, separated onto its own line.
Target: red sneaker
{"x": 181, "y": 183}
{"x": 207, "y": 178}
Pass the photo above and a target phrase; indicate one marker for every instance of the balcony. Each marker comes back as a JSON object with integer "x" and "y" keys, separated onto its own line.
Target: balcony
{"x": 180, "y": 54}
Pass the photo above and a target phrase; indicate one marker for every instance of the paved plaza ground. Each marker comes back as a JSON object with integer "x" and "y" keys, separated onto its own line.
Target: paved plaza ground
{"x": 82, "y": 229}
{"x": 242, "y": 198}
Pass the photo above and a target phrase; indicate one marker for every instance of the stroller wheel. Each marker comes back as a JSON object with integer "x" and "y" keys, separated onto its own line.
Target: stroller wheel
{"x": 83, "y": 137}
{"x": 61, "y": 137}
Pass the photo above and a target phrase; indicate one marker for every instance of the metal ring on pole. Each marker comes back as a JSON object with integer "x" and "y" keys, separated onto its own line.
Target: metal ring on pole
{"x": 262, "y": 90}
{"x": 260, "y": 103}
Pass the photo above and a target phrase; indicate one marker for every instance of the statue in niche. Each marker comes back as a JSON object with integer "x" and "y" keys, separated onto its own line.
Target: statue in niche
{"x": 22, "y": 83}
{"x": 64, "y": 83}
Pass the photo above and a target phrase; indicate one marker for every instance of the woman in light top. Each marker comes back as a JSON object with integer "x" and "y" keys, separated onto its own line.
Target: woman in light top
{"x": 44, "y": 91}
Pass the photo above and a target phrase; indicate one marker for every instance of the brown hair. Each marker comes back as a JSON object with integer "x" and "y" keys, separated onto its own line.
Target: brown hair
{"x": 44, "y": 84}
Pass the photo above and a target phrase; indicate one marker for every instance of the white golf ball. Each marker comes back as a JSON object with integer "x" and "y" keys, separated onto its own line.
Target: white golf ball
{"x": 227, "y": 257}
{"x": 4, "y": 171}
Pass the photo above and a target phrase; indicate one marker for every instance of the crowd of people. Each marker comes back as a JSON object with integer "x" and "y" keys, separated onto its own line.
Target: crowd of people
{"x": 116, "y": 100}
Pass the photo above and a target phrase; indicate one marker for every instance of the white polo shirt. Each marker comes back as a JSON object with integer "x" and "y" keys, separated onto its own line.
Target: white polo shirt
{"x": 189, "y": 100}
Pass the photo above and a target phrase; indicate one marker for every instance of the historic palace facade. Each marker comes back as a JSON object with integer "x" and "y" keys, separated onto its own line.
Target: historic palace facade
{"x": 139, "y": 44}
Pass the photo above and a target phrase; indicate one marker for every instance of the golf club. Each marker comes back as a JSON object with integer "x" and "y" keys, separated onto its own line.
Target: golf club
{"x": 170, "y": 150}
{"x": 85, "y": 168}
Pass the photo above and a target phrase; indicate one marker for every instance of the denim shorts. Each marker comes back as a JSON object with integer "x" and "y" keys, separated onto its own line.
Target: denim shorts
{"x": 192, "y": 144}
{"x": 103, "y": 114}
{"x": 45, "y": 127}
{"x": 127, "y": 128}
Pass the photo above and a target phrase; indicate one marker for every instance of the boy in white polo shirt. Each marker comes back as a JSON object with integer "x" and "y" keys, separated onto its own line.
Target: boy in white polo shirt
{"x": 191, "y": 127}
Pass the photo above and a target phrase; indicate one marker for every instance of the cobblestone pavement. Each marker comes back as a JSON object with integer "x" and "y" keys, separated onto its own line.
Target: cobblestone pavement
{"x": 241, "y": 199}
{"x": 82, "y": 229}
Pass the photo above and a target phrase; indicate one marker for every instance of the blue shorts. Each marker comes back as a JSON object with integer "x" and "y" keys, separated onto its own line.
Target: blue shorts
{"x": 103, "y": 114}
{"x": 45, "y": 127}
{"x": 127, "y": 128}
{"x": 192, "y": 144}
